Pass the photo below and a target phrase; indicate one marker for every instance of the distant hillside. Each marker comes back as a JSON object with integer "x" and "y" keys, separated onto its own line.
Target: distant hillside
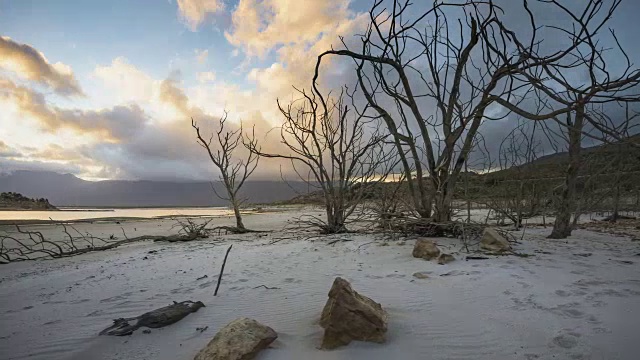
{"x": 545, "y": 173}
{"x": 69, "y": 190}
{"x": 597, "y": 160}
{"x": 17, "y": 201}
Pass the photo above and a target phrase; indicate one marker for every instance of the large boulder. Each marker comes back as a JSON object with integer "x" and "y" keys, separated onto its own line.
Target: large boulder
{"x": 425, "y": 249}
{"x": 349, "y": 316}
{"x": 493, "y": 241}
{"x": 241, "y": 339}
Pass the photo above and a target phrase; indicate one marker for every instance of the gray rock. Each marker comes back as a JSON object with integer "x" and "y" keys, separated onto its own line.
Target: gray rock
{"x": 445, "y": 258}
{"x": 241, "y": 339}
{"x": 420, "y": 275}
{"x": 493, "y": 241}
{"x": 349, "y": 316}
{"x": 425, "y": 249}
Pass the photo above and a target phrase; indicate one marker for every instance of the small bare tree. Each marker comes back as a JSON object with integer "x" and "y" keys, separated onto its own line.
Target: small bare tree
{"x": 223, "y": 152}
{"x": 335, "y": 149}
{"x": 516, "y": 195}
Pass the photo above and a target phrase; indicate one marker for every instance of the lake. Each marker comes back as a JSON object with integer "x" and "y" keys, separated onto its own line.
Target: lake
{"x": 67, "y": 214}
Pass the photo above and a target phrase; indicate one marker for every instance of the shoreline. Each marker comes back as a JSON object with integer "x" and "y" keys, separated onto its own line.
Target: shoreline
{"x": 118, "y": 219}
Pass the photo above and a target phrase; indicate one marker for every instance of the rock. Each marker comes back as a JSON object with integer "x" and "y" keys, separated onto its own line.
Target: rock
{"x": 425, "y": 249}
{"x": 349, "y": 316}
{"x": 420, "y": 275}
{"x": 493, "y": 241}
{"x": 445, "y": 258}
{"x": 241, "y": 339}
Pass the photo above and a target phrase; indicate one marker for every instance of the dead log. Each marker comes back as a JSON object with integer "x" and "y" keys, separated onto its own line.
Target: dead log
{"x": 153, "y": 319}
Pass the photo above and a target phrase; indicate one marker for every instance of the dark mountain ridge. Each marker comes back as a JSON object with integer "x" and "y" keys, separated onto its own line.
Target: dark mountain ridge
{"x": 69, "y": 190}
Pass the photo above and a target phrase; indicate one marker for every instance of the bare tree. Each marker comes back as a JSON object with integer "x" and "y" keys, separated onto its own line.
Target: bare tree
{"x": 223, "y": 150}
{"x": 335, "y": 149}
{"x": 445, "y": 74}
{"x": 514, "y": 194}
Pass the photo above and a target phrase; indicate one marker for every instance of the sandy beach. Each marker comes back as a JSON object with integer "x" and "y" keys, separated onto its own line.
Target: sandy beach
{"x": 573, "y": 299}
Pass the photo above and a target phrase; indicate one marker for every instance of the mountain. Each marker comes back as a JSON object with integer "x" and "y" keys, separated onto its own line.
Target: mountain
{"x": 69, "y": 190}
{"x": 601, "y": 160}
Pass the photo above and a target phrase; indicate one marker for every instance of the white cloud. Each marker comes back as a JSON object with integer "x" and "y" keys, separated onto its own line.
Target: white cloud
{"x": 201, "y": 56}
{"x": 195, "y": 12}
{"x": 259, "y": 26}
{"x": 126, "y": 82}
{"x": 206, "y": 77}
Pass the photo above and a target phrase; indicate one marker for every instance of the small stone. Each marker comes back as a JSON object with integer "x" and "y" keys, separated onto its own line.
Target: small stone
{"x": 425, "y": 249}
{"x": 146, "y": 331}
{"x": 420, "y": 275}
{"x": 445, "y": 259}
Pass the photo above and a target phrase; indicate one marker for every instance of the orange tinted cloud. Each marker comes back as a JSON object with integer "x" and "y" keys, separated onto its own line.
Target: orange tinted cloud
{"x": 113, "y": 124}
{"x": 29, "y": 63}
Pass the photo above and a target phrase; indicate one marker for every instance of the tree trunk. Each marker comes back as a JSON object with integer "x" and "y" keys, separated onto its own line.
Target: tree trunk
{"x": 442, "y": 198}
{"x": 335, "y": 221}
{"x": 236, "y": 212}
{"x": 562, "y": 226}
{"x": 466, "y": 191}
{"x": 616, "y": 198}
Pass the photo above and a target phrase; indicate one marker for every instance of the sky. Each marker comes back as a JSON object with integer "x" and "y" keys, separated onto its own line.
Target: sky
{"x": 107, "y": 89}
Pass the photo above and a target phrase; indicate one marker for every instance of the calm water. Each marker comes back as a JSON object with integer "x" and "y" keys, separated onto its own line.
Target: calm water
{"x": 78, "y": 214}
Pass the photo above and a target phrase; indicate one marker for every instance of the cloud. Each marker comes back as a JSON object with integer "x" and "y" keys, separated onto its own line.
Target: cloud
{"x": 195, "y": 12}
{"x": 31, "y": 64}
{"x": 205, "y": 77}
{"x": 127, "y": 82}
{"x": 259, "y": 26}
{"x": 202, "y": 56}
{"x": 112, "y": 124}
{"x": 7, "y": 151}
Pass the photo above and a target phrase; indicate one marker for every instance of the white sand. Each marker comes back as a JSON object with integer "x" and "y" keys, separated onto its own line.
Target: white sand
{"x": 554, "y": 305}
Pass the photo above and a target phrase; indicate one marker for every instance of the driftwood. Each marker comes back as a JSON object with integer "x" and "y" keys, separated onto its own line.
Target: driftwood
{"x": 233, "y": 230}
{"x": 33, "y": 245}
{"x": 428, "y": 228}
{"x": 612, "y": 218}
{"x": 153, "y": 319}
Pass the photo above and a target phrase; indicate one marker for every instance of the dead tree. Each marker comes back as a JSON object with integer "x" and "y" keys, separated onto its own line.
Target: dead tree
{"x": 445, "y": 74}
{"x": 224, "y": 156}
{"x": 514, "y": 195}
{"x": 334, "y": 149}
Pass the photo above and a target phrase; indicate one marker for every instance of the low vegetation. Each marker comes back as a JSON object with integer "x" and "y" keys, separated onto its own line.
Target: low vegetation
{"x": 17, "y": 201}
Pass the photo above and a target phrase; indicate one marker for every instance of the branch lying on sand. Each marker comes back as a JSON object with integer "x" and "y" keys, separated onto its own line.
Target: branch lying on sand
{"x": 33, "y": 245}
{"x": 426, "y": 227}
{"x": 153, "y": 319}
{"x": 266, "y": 287}
{"x": 232, "y": 230}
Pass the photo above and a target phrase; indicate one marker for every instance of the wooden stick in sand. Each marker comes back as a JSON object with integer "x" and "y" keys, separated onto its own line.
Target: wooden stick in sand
{"x": 222, "y": 270}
